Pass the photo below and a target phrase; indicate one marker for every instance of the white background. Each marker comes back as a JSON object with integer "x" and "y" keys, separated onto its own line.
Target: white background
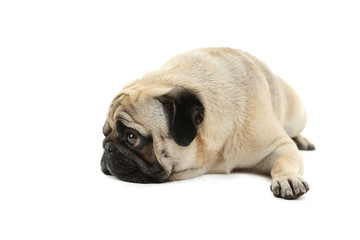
{"x": 62, "y": 62}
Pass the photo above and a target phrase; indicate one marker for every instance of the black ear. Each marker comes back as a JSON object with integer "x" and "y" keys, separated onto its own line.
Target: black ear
{"x": 185, "y": 112}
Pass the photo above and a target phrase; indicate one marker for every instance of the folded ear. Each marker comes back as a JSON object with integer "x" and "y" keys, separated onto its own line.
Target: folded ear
{"x": 185, "y": 112}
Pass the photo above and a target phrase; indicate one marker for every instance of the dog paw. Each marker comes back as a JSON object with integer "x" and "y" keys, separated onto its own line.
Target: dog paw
{"x": 289, "y": 187}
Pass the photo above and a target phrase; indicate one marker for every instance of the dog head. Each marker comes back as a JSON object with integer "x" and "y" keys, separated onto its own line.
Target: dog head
{"x": 150, "y": 133}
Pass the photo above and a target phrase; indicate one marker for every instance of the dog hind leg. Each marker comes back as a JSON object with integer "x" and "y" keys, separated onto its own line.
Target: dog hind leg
{"x": 302, "y": 143}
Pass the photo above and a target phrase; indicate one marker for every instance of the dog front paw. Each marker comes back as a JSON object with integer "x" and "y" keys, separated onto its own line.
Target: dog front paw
{"x": 289, "y": 187}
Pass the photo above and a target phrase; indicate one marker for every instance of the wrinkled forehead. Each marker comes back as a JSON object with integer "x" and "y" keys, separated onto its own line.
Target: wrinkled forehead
{"x": 138, "y": 110}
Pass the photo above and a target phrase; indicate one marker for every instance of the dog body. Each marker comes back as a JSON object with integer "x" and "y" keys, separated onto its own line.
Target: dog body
{"x": 211, "y": 110}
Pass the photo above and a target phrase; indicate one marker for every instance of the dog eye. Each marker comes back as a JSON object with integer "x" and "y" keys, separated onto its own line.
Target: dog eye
{"x": 132, "y": 138}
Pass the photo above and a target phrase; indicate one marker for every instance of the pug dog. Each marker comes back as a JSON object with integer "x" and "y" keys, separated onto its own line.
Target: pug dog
{"x": 211, "y": 110}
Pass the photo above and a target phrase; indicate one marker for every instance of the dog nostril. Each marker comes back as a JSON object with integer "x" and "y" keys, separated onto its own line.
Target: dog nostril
{"x": 110, "y": 147}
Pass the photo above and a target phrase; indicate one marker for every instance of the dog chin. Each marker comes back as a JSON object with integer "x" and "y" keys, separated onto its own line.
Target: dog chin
{"x": 124, "y": 168}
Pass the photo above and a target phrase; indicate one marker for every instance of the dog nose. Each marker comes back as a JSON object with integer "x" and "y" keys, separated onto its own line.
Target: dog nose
{"x": 110, "y": 147}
